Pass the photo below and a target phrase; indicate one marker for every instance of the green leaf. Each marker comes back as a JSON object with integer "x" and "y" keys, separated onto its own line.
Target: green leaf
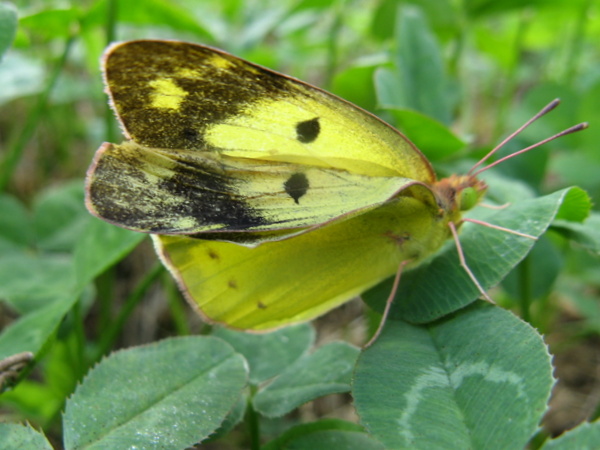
{"x": 389, "y": 96}
{"x": 150, "y": 12}
{"x": 326, "y": 434}
{"x": 52, "y": 23}
{"x": 20, "y": 76}
{"x": 505, "y": 190}
{"x": 586, "y": 234}
{"x": 584, "y": 437}
{"x": 234, "y": 417}
{"x": 261, "y": 24}
{"x": 32, "y": 331}
{"x": 420, "y": 66}
{"x": 480, "y": 379}
{"x": 587, "y": 142}
{"x": 16, "y": 228}
{"x": 171, "y": 394}
{"x": 429, "y": 135}
{"x": 34, "y": 400}
{"x": 541, "y": 268}
{"x": 101, "y": 245}
{"x": 13, "y": 436}
{"x": 442, "y": 286}
{"x": 312, "y": 4}
{"x": 576, "y": 206}
{"x": 29, "y": 281}
{"x": 442, "y": 14}
{"x": 8, "y": 26}
{"x": 60, "y": 216}
{"x": 580, "y": 298}
{"x": 576, "y": 168}
{"x": 327, "y": 440}
{"x": 270, "y": 353}
{"x": 355, "y": 85}
{"x": 326, "y": 371}
{"x": 384, "y": 20}
{"x": 484, "y": 7}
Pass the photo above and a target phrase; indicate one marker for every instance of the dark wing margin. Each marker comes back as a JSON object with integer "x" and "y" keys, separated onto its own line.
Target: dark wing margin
{"x": 146, "y": 191}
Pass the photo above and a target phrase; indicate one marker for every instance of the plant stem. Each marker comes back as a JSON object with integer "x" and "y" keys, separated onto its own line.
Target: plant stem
{"x": 80, "y": 340}
{"x": 576, "y": 43}
{"x": 506, "y": 95}
{"x": 111, "y": 20}
{"x": 333, "y": 44}
{"x": 111, "y": 25}
{"x": 105, "y": 284}
{"x": 252, "y": 422}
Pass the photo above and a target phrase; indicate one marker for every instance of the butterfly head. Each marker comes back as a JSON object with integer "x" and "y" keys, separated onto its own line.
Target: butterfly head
{"x": 458, "y": 193}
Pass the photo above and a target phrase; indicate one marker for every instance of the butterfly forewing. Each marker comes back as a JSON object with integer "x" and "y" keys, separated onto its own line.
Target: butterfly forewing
{"x": 183, "y": 96}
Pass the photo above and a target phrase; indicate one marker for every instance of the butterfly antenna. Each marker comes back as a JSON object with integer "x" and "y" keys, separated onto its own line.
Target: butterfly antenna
{"x": 388, "y": 306}
{"x": 545, "y": 110}
{"x": 573, "y": 129}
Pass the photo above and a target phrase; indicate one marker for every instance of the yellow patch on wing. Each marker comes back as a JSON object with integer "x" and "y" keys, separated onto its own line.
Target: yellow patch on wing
{"x": 218, "y": 62}
{"x": 267, "y": 129}
{"x": 166, "y": 94}
{"x": 186, "y": 72}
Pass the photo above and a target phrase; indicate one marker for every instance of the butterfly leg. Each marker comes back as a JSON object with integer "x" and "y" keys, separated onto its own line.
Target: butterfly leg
{"x": 388, "y": 305}
{"x": 463, "y": 263}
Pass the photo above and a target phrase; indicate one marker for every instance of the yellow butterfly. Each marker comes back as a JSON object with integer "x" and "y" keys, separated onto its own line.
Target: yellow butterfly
{"x": 270, "y": 201}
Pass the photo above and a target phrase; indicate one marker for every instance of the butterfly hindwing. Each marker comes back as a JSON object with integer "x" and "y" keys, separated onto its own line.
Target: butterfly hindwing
{"x": 294, "y": 280}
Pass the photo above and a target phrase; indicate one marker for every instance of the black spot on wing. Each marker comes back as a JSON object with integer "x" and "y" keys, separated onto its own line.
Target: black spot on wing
{"x": 191, "y": 135}
{"x": 308, "y": 131}
{"x": 296, "y": 186}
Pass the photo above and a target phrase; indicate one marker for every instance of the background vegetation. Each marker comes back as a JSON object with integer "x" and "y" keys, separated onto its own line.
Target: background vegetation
{"x": 74, "y": 289}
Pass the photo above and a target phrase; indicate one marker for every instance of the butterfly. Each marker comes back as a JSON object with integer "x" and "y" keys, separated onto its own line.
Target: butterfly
{"x": 269, "y": 200}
